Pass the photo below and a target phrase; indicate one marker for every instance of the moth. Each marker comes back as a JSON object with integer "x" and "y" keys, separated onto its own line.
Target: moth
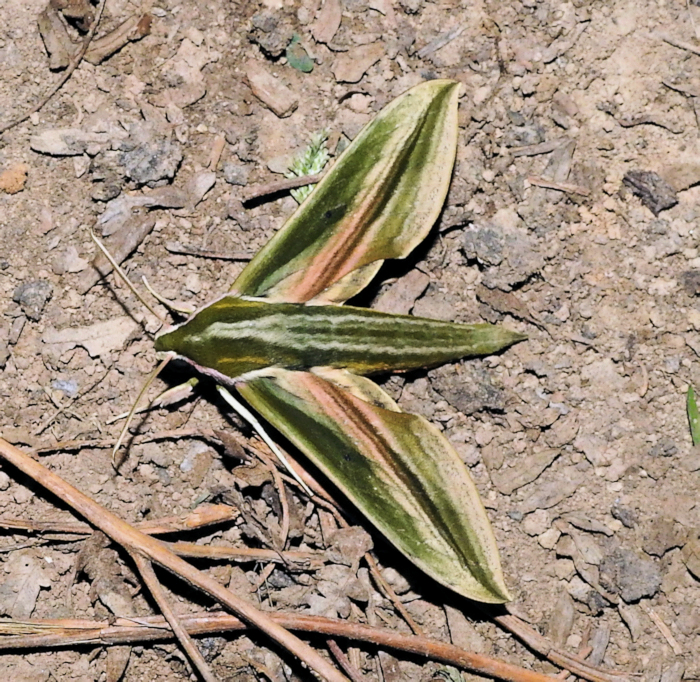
{"x": 284, "y": 340}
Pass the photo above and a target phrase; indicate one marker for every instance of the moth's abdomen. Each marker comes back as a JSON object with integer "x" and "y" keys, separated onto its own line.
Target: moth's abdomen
{"x": 234, "y": 336}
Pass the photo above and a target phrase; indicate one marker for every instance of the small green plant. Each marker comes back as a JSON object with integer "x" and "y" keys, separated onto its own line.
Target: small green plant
{"x": 311, "y": 161}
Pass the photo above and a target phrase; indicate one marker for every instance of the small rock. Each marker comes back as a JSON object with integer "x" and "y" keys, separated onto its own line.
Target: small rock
{"x": 508, "y": 252}
{"x": 199, "y": 184}
{"x": 623, "y": 572}
{"x": 691, "y": 556}
{"x": 327, "y": 21}
{"x": 69, "y": 142}
{"x": 537, "y": 522}
{"x": 4, "y": 481}
{"x": 68, "y": 386}
{"x": 97, "y": 339}
{"x": 350, "y": 66}
{"x": 691, "y": 282}
{"x": 561, "y": 622}
{"x": 13, "y": 179}
{"x": 661, "y": 535}
{"x": 270, "y": 91}
{"x": 549, "y": 538}
{"x": 550, "y": 493}
{"x": 654, "y": 192}
{"x": 235, "y": 174}
{"x": 626, "y": 516}
{"x": 468, "y": 387}
{"x": 149, "y": 154}
{"x": 271, "y": 32}
{"x": 526, "y": 470}
{"x": 69, "y": 261}
{"x": 411, "y": 6}
{"x": 630, "y": 615}
{"x": 32, "y": 297}
{"x": 402, "y": 294}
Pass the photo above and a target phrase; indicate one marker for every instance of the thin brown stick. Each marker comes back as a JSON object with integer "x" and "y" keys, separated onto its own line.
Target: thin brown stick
{"x": 350, "y": 670}
{"x": 663, "y": 629}
{"x": 205, "y": 515}
{"x": 282, "y": 493}
{"x": 174, "y": 434}
{"x": 559, "y": 657}
{"x": 75, "y": 62}
{"x": 190, "y": 250}
{"x": 681, "y": 44}
{"x": 280, "y": 186}
{"x": 135, "y": 541}
{"x": 62, "y": 633}
{"x": 567, "y": 187}
{"x": 149, "y": 577}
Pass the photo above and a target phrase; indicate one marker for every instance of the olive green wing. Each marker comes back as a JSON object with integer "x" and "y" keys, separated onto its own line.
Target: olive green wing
{"x": 378, "y": 201}
{"x": 397, "y": 468}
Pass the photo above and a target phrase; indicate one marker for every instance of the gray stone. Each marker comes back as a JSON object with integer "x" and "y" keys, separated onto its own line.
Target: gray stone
{"x": 624, "y": 572}
{"x": 148, "y": 155}
{"x": 235, "y": 174}
{"x": 469, "y": 389}
{"x": 32, "y": 297}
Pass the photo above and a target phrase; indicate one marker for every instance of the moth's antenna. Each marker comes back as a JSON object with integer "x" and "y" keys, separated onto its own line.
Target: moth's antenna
{"x": 250, "y": 418}
{"x": 132, "y": 412}
{"x": 171, "y": 305}
{"x": 122, "y": 274}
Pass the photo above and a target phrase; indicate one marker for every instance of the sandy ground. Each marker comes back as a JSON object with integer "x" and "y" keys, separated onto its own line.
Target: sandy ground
{"x": 578, "y": 438}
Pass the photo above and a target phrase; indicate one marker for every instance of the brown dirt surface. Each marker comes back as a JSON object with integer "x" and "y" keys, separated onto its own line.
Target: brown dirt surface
{"x": 577, "y": 438}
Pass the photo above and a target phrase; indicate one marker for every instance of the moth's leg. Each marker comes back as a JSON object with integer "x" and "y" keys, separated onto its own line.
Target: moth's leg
{"x": 170, "y": 397}
{"x": 151, "y": 378}
{"x": 177, "y": 306}
{"x": 244, "y": 412}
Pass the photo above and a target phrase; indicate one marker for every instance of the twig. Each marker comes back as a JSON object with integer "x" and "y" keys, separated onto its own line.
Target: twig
{"x": 135, "y": 541}
{"x": 149, "y": 577}
{"x": 389, "y": 593}
{"x": 69, "y": 72}
{"x": 350, "y": 670}
{"x": 72, "y": 445}
{"x": 189, "y": 250}
{"x": 559, "y": 657}
{"x": 540, "y": 148}
{"x": 62, "y": 633}
{"x": 561, "y": 186}
{"x": 440, "y": 42}
{"x": 663, "y": 629}
{"x": 217, "y": 149}
{"x": 280, "y": 186}
{"x": 681, "y": 44}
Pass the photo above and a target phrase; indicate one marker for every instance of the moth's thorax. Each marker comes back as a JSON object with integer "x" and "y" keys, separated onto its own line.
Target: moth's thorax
{"x": 234, "y": 336}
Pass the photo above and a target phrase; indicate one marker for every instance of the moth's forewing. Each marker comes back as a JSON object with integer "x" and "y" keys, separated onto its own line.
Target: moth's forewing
{"x": 378, "y": 201}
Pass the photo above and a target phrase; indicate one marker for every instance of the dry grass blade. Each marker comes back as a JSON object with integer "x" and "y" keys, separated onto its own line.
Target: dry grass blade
{"x": 136, "y": 542}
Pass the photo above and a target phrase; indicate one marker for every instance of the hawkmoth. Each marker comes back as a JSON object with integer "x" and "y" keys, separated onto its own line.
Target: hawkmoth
{"x": 283, "y": 338}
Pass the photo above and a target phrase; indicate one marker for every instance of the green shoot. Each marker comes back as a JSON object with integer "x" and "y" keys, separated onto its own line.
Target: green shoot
{"x": 310, "y": 162}
{"x": 693, "y": 416}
